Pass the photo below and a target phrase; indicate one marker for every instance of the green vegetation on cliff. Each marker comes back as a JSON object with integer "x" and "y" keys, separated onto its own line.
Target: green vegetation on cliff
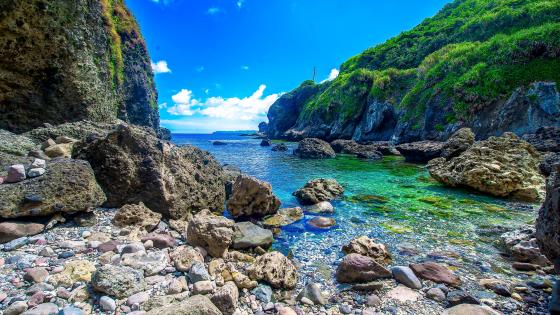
{"x": 471, "y": 54}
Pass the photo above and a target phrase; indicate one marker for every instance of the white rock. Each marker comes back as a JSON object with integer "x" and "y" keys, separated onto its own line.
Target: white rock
{"x": 107, "y": 304}
{"x": 39, "y": 163}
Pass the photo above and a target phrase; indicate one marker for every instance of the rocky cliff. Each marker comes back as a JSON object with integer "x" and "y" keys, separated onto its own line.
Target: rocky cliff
{"x": 492, "y": 66}
{"x": 69, "y": 60}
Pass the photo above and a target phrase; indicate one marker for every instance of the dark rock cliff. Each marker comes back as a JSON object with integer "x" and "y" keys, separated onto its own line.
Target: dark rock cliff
{"x": 69, "y": 60}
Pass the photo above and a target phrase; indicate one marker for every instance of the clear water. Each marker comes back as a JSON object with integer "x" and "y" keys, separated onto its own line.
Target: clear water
{"x": 390, "y": 200}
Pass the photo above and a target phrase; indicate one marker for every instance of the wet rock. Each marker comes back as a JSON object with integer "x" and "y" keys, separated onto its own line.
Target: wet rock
{"x": 352, "y": 147}
{"x": 118, "y": 281}
{"x": 225, "y": 298}
{"x": 150, "y": 262}
{"x": 263, "y": 293}
{"x": 217, "y": 142}
{"x": 213, "y": 233}
{"x": 548, "y": 221}
{"x": 500, "y": 166}
{"x": 435, "y": 272}
{"x": 68, "y": 186}
{"x": 420, "y": 152}
{"x": 370, "y": 155}
{"x": 231, "y": 172}
{"x": 313, "y": 148}
{"x": 137, "y": 215}
{"x": 11, "y": 230}
{"x": 132, "y": 165}
{"x": 312, "y": 291}
{"x": 266, "y": 143}
{"x": 365, "y": 246}
{"x": 195, "y": 305}
{"x": 321, "y": 207}
{"x": 470, "y": 309}
{"x": 318, "y": 190}
{"x": 283, "y": 217}
{"x": 252, "y": 197}
{"x": 276, "y": 269}
{"x": 357, "y": 268}
{"x": 184, "y": 257}
{"x": 460, "y": 297}
{"x": 458, "y": 143}
{"x": 281, "y": 147}
{"x": 249, "y": 235}
{"x": 406, "y": 276}
{"x": 74, "y": 271}
{"x": 321, "y": 222}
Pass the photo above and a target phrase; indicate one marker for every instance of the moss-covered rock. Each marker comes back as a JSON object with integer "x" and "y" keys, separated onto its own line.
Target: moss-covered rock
{"x": 68, "y": 60}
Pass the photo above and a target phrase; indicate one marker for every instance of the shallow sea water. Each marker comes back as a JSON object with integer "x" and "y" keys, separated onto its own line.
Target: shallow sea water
{"x": 390, "y": 200}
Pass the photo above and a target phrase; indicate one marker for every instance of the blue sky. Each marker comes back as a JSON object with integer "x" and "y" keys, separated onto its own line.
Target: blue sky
{"x": 221, "y": 63}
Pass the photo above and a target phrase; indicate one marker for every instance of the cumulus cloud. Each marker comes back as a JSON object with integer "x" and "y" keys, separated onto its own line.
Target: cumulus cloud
{"x": 184, "y": 103}
{"x": 160, "y": 67}
{"x": 332, "y": 75}
{"x": 233, "y": 108}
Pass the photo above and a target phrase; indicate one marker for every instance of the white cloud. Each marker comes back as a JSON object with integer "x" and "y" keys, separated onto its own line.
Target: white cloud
{"x": 213, "y": 10}
{"x": 233, "y": 108}
{"x": 162, "y": 105}
{"x": 160, "y": 67}
{"x": 332, "y": 75}
{"x": 184, "y": 103}
{"x": 240, "y": 3}
{"x": 245, "y": 67}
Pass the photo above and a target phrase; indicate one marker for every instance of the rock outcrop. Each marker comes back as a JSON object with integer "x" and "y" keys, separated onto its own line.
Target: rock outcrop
{"x": 458, "y": 143}
{"x": 318, "y": 190}
{"x": 214, "y": 233}
{"x": 500, "y": 166}
{"x": 252, "y": 197}
{"x": 361, "y": 151}
{"x": 420, "y": 152}
{"x": 134, "y": 166}
{"x": 545, "y": 139}
{"x": 68, "y": 186}
{"x": 548, "y": 221}
{"x": 313, "y": 148}
{"x": 73, "y": 60}
{"x": 365, "y": 246}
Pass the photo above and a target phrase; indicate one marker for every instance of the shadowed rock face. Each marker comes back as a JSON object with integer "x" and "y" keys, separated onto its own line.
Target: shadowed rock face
{"x": 69, "y": 60}
{"x": 548, "y": 222}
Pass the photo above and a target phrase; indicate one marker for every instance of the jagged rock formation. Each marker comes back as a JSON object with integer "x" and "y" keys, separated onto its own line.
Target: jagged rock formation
{"x": 429, "y": 82}
{"x": 70, "y": 60}
{"x": 548, "y": 222}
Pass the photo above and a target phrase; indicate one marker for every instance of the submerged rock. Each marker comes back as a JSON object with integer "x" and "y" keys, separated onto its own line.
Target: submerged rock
{"x": 132, "y": 165}
{"x": 321, "y": 222}
{"x": 313, "y": 148}
{"x": 356, "y": 268}
{"x": 421, "y": 152}
{"x": 318, "y": 190}
{"x": 365, "y": 246}
{"x": 266, "y": 143}
{"x": 548, "y": 221}
{"x": 252, "y": 197}
{"x": 321, "y": 207}
{"x": 500, "y": 166}
{"x": 284, "y": 217}
{"x": 276, "y": 269}
{"x": 212, "y": 232}
{"x": 280, "y": 147}
{"x": 68, "y": 186}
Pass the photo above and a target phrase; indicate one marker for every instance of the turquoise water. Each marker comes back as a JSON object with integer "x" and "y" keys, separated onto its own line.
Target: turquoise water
{"x": 392, "y": 201}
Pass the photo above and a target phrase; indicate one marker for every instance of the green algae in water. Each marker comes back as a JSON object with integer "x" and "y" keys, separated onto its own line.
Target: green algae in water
{"x": 395, "y": 228}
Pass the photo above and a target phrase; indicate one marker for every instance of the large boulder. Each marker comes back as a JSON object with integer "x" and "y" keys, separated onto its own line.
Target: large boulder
{"x": 276, "y": 269}
{"x": 313, "y": 148}
{"x": 365, "y": 246}
{"x": 195, "y": 305}
{"x": 138, "y": 216}
{"x": 252, "y": 197}
{"x": 548, "y": 221}
{"x": 67, "y": 186}
{"x": 546, "y": 139}
{"x": 420, "y": 152}
{"x": 212, "y": 232}
{"x": 134, "y": 166}
{"x": 249, "y": 235}
{"x": 318, "y": 190}
{"x": 458, "y": 143}
{"x": 360, "y": 150}
{"x": 283, "y": 217}
{"x": 501, "y": 166}
{"x": 548, "y": 162}
{"x": 435, "y": 272}
{"x": 356, "y": 268}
